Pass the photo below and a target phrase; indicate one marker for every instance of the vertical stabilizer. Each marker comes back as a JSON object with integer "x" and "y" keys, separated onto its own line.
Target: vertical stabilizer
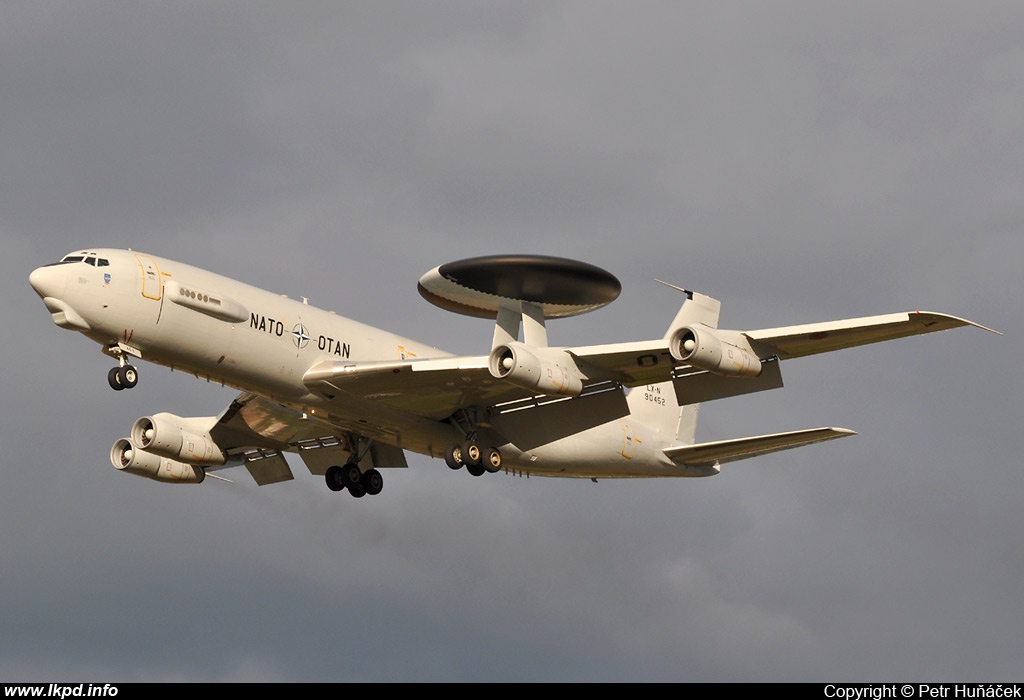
{"x": 656, "y": 407}
{"x": 686, "y": 433}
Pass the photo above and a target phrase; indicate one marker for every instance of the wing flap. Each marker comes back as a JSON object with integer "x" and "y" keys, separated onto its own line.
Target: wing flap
{"x": 538, "y": 423}
{"x": 254, "y": 422}
{"x": 268, "y": 467}
{"x": 724, "y": 451}
{"x": 695, "y": 386}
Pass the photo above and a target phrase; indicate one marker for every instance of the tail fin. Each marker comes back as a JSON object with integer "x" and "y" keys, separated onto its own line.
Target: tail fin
{"x": 656, "y": 406}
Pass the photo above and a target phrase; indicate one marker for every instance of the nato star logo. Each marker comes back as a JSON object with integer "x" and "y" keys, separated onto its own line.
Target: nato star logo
{"x": 300, "y": 335}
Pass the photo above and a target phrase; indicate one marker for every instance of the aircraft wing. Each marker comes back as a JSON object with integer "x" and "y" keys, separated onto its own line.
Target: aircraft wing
{"x": 436, "y": 388}
{"x": 723, "y": 451}
{"x": 256, "y": 431}
{"x": 649, "y": 362}
{"x": 630, "y": 364}
{"x": 253, "y": 422}
{"x": 432, "y": 388}
{"x": 810, "y": 339}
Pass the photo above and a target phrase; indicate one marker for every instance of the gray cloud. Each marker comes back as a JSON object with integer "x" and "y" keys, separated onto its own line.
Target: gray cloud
{"x": 798, "y": 161}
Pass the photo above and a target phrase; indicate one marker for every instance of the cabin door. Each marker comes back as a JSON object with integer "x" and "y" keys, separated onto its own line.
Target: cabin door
{"x": 152, "y": 284}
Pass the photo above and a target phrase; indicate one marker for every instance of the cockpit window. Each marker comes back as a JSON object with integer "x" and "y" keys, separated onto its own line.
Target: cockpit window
{"x": 83, "y": 257}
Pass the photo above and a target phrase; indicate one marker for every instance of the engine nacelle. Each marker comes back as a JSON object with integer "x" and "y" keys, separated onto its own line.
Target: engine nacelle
{"x": 125, "y": 456}
{"x": 701, "y": 347}
{"x": 544, "y": 370}
{"x": 171, "y": 436}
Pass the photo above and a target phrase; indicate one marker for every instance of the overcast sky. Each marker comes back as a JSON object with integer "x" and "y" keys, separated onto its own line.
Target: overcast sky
{"x": 799, "y": 161}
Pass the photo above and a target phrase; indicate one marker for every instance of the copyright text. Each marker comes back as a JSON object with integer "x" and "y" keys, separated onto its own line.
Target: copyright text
{"x": 923, "y": 690}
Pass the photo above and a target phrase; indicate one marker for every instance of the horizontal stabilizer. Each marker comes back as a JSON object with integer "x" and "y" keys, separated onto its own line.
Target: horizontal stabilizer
{"x": 742, "y": 448}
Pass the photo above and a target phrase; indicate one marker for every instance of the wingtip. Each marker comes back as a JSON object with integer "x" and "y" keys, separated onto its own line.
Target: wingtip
{"x": 958, "y": 320}
{"x": 843, "y": 432}
{"x": 978, "y": 325}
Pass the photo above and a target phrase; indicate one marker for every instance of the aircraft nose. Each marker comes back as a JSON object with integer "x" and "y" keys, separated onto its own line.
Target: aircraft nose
{"x": 48, "y": 281}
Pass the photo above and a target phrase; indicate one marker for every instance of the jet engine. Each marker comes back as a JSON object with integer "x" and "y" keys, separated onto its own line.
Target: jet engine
{"x": 544, "y": 370}
{"x": 703, "y": 348}
{"x": 125, "y": 456}
{"x": 174, "y": 437}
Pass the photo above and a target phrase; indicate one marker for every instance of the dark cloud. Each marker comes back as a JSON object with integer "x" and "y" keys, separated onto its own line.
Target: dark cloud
{"x": 799, "y": 161}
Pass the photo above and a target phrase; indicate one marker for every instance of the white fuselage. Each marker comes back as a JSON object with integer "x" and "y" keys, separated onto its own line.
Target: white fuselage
{"x": 235, "y": 334}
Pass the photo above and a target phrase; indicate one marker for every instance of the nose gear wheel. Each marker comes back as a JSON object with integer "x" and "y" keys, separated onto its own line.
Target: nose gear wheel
{"x": 124, "y": 377}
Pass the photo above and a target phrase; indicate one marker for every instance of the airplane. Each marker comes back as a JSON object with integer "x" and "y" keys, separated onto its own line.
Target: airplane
{"x": 351, "y": 399}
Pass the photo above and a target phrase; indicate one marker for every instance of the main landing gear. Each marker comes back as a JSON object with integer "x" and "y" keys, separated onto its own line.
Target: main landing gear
{"x": 477, "y": 460}
{"x": 351, "y": 477}
{"x": 358, "y": 483}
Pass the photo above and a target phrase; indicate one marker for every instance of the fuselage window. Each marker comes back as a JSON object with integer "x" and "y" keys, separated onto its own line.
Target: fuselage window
{"x": 102, "y": 262}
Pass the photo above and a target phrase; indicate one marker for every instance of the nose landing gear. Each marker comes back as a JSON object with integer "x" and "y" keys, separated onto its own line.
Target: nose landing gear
{"x": 125, "y": 376}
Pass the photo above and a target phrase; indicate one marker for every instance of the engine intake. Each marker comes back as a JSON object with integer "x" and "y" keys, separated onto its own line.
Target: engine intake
{"x": 544, "y": 370}
{"x": 171, "y": 436}
{"x": 125, "y": 456}
{"x": 702, "y": 348}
